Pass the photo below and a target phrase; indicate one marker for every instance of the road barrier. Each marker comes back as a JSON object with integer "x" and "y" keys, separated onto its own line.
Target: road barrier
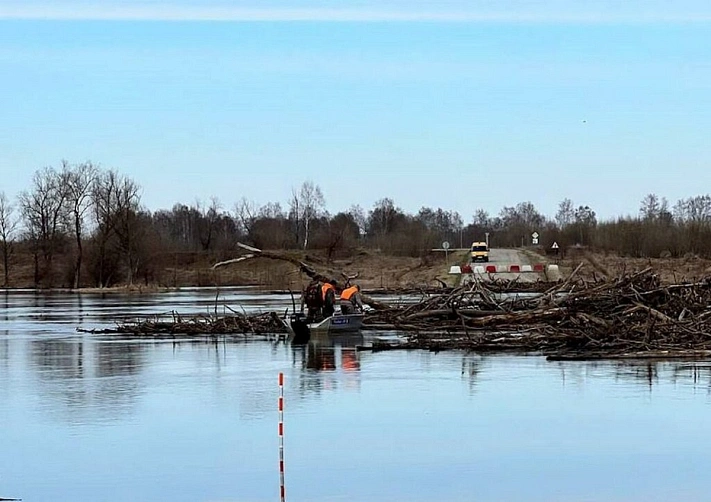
{"x": 514, "y": 268}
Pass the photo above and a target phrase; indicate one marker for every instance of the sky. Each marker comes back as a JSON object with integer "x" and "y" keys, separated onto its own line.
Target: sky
{"x": 458, "y": 104}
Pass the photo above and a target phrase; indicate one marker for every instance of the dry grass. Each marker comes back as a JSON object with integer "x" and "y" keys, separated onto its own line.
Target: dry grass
{"x": 376, "y": 270}
{"x": 605, "y": 265}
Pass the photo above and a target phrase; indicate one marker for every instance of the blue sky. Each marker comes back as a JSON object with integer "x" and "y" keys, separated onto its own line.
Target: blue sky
{"x": 454, "y": 104}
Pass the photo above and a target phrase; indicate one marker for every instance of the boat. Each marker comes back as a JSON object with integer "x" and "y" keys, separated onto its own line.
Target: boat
{"x": 301, "y": 329}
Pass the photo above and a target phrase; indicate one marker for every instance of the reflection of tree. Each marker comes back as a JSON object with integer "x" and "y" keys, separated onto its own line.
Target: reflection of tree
{"x": 74, "y": 381}
{"x": 118, "y": 359}
{"x": 647, "y": 373}
{"x": 4, "y": 360}
{"x": 693, "y": 373}
{"x": 6, "y": 305}
{"x": 58, "y": 358}
{"x": 471, "y": 368}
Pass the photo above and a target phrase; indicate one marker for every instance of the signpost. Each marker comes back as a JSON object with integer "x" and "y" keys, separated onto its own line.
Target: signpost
{"x": 445, "y": 246}
{"x": 534, "y": 238}
{"x": 555, "y": 247}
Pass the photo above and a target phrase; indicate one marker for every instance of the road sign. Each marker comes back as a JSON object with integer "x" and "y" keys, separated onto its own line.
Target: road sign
{"x": 555, "y": 245}
{"x": 445, "y": 245}
{"x": 535, "y": 240}
{"x": 535, "y": 236}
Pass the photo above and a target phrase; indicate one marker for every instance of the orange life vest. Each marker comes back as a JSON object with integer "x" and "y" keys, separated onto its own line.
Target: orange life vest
{"x": 325, "y": 288}
{"x": 348, "y": 292}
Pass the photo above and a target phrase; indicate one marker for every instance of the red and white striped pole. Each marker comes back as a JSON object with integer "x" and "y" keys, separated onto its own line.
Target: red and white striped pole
{"x": 281, "y": 438}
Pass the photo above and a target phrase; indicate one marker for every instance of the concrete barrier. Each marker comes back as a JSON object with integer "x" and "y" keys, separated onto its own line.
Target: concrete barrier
{"x": 514, "y": 268}
{"x": 553, "y": 273}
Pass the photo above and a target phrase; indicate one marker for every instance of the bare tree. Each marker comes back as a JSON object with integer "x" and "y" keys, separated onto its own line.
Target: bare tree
{"x": 79, "y": 180}
{"x": 359, "y": 216}
{"x": 104, "y": 205}
{"x": 295, "y": 214}
{"x": 383, "y": 217}
{"x": 566, "y": 214}
{"x": 271, "y": 210}
{"x": 585, "y": 221}
{"x": 207, "y": 222}
{"x": 306, "y": 205}
{"x": 481, "y": 218}
{"x": 43, "y": 211}
{"x": 116, "y": 204}
{"x": 649, "y": 207}
{"x": 128, "y": 222}
{"x": 694, "y": 209}
{"x": 8, "y": 225}
{"x": 246, "y": 212}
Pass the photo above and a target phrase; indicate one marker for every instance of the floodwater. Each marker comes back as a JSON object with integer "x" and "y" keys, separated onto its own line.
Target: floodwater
{"x": 88, "y": 417}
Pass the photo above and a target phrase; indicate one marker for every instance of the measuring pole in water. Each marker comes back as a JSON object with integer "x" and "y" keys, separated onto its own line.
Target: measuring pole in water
{"x": 282, "y": 495}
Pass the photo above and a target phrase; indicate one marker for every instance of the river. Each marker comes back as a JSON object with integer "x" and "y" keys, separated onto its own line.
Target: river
{"x": 87, "y": 417}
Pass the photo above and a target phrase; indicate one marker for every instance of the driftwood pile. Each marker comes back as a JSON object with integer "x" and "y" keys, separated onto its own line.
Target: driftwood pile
{"x": 175, "y": 324}
{"x": 632, "y": 316}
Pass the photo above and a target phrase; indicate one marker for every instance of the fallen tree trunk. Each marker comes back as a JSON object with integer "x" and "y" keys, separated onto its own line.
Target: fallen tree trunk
{"x": 307, "y": 269}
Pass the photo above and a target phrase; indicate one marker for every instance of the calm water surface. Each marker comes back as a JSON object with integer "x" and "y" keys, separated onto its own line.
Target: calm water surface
{"x": 109, "y": 418}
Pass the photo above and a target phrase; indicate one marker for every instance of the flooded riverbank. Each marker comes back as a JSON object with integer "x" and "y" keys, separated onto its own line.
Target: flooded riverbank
{"x": 106, "y": 417}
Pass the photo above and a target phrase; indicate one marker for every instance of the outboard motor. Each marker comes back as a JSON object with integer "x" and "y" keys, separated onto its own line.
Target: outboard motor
{"x": 302, "y": 333}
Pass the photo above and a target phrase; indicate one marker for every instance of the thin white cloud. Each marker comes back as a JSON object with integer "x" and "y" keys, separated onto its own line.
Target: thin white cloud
{"x": 516, "y": 12}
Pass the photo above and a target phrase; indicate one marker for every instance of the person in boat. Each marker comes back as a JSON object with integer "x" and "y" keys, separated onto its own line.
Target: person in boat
{"x": 328, "y": 297}
{"x": 351, "y": 301}
{"x": 313, "y": 299}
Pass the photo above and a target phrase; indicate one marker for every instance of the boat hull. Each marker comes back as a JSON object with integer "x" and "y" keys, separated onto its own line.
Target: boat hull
{"x": 337, "y": 323}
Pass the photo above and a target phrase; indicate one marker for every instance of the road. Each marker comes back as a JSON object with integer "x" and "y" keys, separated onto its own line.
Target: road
{"x": 502, "y": 258}
{"x": 507, "y": 256}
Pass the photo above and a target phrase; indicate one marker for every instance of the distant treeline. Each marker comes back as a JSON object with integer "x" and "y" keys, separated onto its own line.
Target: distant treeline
{"x": 82, "y": 225}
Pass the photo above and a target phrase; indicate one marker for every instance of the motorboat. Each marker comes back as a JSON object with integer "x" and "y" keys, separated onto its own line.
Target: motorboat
{"x": 301, "y": 328}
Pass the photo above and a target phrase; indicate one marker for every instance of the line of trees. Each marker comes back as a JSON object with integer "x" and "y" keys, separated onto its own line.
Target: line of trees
{"x": 82, "y": 225}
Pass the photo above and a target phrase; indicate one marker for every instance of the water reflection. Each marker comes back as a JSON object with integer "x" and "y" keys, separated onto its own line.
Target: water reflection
{"x": 56, "y": 358}
{"x": 187, "y": 415}
{"x": 644, "y": 373}
{"x": 6, "y": 305}
{"x": 84, "y": 382}
{"x": 328, "y": 363}
{"x": 119, "y": 359}
{"x": 327, "y": 353}
{"x": 472, "y": 366}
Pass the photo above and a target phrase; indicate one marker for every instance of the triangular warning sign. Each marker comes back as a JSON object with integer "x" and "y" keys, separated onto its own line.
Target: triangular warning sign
{"x": 555, "y": 245}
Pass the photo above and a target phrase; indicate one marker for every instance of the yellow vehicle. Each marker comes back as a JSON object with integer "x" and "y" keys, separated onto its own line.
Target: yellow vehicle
{"x": 479, "y": 251}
